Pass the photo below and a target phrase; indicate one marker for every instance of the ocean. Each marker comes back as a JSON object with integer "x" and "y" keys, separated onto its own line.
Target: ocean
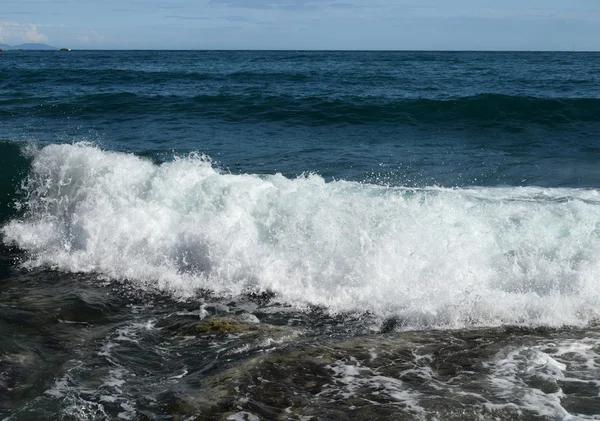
{"x": 299, "y": 235}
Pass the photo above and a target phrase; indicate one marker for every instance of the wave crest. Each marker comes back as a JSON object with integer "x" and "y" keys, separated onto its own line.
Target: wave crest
{"x": 430, "y": 257}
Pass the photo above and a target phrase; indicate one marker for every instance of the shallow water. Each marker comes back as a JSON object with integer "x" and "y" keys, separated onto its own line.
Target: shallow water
{"x": 109, "y": 355}
{"x": 77, "y": 348}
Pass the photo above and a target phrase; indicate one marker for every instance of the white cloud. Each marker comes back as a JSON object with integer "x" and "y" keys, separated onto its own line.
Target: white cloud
{"x": 14, "y": 32}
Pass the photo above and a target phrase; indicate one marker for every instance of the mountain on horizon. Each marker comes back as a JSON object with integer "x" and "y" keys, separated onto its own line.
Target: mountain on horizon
{"x": 28, "y": 46}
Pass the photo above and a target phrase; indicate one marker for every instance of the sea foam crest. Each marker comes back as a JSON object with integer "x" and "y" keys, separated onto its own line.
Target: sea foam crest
{"x": 431, "y": 257}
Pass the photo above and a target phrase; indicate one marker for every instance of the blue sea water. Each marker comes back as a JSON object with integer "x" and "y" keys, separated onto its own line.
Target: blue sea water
{"x": 408, "y": 118}
{"x": 389, "y": 224}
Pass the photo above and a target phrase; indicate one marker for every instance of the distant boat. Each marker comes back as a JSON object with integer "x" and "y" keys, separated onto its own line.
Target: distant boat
{"x": 65, "y": 49}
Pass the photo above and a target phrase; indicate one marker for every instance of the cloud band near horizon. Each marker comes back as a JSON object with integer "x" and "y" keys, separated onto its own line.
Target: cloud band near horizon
{"x": 305, "y": 24}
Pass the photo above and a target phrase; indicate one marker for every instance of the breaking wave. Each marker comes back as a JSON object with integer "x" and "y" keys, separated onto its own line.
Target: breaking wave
{"x": 430, "y": 257}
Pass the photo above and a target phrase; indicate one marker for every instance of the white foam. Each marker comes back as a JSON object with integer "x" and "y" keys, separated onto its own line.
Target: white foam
{"x": 352, "y": 379}
{"x": 432, "y": 257}
{"x": 243, "y": 416}
{"x": 531, "y": 377}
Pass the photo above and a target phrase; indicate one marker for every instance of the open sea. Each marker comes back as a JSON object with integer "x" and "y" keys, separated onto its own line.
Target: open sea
{"x": 252, "y": 235}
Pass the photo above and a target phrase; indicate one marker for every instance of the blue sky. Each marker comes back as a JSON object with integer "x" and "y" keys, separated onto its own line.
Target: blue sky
{"x": 304, "y": 24}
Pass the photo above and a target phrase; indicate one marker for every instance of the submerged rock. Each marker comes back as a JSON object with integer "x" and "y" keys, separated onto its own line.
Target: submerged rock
{"x": 223, "y": 325}
{"x": 403, "y": 376}
{"x": 220, "y": 326}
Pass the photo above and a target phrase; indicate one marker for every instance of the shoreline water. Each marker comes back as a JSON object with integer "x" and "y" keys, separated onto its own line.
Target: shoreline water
{"x": 314, "y": 235}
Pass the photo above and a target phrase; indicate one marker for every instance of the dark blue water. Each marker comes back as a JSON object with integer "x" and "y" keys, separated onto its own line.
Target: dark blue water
{"x": 410, "y": 118}
{"x": 247, "y": 235}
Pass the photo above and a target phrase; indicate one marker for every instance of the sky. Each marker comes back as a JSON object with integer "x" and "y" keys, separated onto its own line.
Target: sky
{"x": 304, "y": 24}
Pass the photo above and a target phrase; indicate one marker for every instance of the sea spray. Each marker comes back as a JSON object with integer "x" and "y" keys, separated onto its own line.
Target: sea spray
{"x": 429, "y": 257}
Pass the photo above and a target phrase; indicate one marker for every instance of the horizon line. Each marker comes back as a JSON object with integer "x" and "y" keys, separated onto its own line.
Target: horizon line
{"x": 52, "y": 48}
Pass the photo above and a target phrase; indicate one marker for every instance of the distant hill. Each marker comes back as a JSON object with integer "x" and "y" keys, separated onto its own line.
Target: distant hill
{"x": 32, "y": 46}
{"x": 28, "y": 46}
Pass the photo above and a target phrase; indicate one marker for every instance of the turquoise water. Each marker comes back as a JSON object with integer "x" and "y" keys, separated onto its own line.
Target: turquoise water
{"x": 299, "y": 235}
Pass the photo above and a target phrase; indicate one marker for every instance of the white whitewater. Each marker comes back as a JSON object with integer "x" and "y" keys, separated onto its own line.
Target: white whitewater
{"x": 432, "y": 257}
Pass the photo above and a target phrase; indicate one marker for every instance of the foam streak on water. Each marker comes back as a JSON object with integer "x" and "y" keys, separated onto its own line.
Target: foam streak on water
{"x": 430, "y": 257}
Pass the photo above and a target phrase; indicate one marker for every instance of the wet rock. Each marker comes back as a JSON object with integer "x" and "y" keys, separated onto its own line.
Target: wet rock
{"x": 246, "y": 325}
{"x": 223, "y": 325}
{"x": 175, "y": 406}
{"x": 401, "y": 376}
